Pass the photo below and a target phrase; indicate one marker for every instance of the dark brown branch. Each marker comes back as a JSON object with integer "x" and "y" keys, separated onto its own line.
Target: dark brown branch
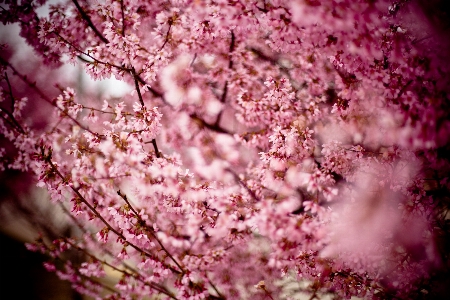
{"x": 122, "y": 9}
{"x": 102, "y": 111}
{"x": 349, "y": 79}
{"x": 223, "y": 98}
{"x": 85, "y": 278}
{"x": 75, "y": 220}
{"x": 137, "y": 79}
{"x": 268, "y": 294}
{"x": 416, "y": 41}
{"x": 224, "y": 93}
{"x": 88, "y": 20}
{"x": 193, "y": 60}
{"x": 84, "y": 59}
{"x": 232, "y": 46}
{"x": 263, "y": 56}
{"x": 166, "y": 39}
{"x": 125, "y": 198}
{"x": 11, "y": 120}
{"x": 136, "y": 85}
{"x": 141, "y": 100}
{"x": 213, "y": 127}
{"x": 10, "y": 92}
{"x": 156, "y": 93}
{"x": 262, "y": 9}
{"x": 155, "y": 146}
{"x": 91, "y": 57}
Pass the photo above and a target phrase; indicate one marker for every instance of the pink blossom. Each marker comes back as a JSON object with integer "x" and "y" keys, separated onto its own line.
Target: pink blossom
{"x": 260, "y": 139}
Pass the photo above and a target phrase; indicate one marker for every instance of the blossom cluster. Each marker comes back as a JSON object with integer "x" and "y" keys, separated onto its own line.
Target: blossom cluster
{"x": 263, "y": 139}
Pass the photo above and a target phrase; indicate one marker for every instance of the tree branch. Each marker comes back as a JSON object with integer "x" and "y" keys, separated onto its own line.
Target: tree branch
{"x": 107, "y": 252}
{"x": 97, "y": 214}
{"x": 88, "y": 20}
{"x": 138, "y": 276}
{"x": 213, "y": 127}
{"x": 12, "y": 121}
{"x": 122, "y": 9}
{"x": 136, "y": 85}
{"x": 166, "y": 39}
{"x": 46, "y": 98}
{"x": 155, "y": 146}
{"x": 230, "y": 67}
{"x": 149, "y": 230}
{"x": 10, "y": 92}
{"x": 141, "y": 100}
{"x": 236, "y": 177}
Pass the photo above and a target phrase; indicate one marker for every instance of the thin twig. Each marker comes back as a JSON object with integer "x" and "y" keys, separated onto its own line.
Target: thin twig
{"x": 94, "y": 60}
{"x": 212, "y": 127}
{"x": 276, "y": 62}
{"x": 87, "y": 54}
{"x": 223, "y": 98}
{"x": 167, "y": 35}
{"x": 10, "y": 92}
{"x": 193, "y": 60}
{"x": 88, "y": 20}
{"x": 84, "y": 277}
{"x": 402, "y": 91}
{"x": 122, "y": 9}
{"x": 220, "y": 296}
{"x": 152, "y": 90}
{"x": 11, "y": 121}
{"x": 141, "y": 100}
{"x": 102, "y": 111}
{"x": 416, "y": 41}
{"x": 97, "y": 214}
{"x": 224, "y": 94}
{"x": 99, "y": 283}
{"x": 45, "y": 98}
{"x": 136, "y": 85}
{"x": 106, "y": 251}
{"x": 252, "y": 193}
{"x": 138, "y": 276}
{"x": 149, "y": 229}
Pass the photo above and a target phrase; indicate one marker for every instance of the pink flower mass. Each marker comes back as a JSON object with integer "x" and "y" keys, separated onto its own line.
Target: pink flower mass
{"x": 262, "y": 142}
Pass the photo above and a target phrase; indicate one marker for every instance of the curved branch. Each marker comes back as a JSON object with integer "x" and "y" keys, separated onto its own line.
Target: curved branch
{"x": 138, "y": 276}
{"x": 88, "y": 20}
{"x": 152, "y": 232}
{"x": 46, "y": 98}
{"x": 97, "y": 214}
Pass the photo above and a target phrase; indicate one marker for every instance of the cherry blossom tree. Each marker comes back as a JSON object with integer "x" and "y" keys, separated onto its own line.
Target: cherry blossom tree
{"x": 264, "y": 142}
